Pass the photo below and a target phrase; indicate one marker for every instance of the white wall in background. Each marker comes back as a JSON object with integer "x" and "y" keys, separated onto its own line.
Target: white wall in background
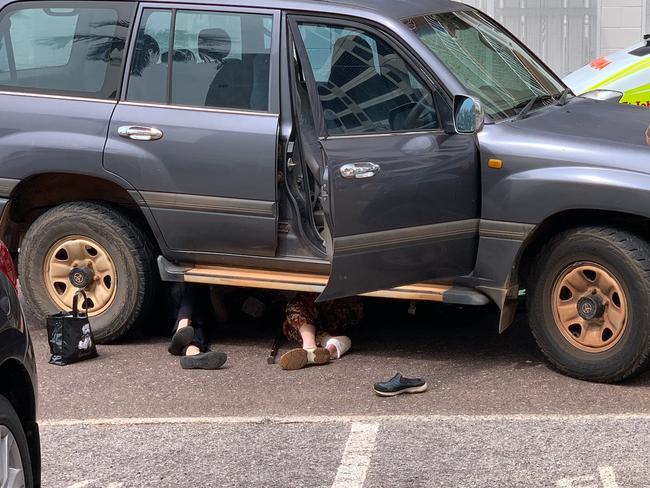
{"x": 567, "y": 34}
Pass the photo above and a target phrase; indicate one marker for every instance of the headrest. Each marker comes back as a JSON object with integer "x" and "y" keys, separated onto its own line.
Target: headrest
{"x": 214, "y": 45}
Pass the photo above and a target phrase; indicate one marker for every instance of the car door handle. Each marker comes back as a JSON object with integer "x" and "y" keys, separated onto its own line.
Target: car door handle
{"x": 138, "y": 133}
{"x": 359, "y": 170}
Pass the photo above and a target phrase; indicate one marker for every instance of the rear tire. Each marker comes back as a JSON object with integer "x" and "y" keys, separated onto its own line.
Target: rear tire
{"x": 11, "y": 431}
{"x": 615, "y": 344}
{"x": 127, "y": 289}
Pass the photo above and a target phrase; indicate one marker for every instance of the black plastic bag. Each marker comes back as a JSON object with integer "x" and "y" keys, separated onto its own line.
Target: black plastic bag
{"x": 70, "y": 335}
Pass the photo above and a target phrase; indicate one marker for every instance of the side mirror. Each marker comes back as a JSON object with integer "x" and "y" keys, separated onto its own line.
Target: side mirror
{"x": 604, "y": 95}
{"x": 469, "y": 117}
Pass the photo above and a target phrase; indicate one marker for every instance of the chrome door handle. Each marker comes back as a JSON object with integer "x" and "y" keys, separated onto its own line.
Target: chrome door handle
{"x": 138, "y": 133}
{"x": 359, "y": 170}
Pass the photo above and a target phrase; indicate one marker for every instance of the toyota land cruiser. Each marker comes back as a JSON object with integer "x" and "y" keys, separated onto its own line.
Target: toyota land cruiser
{"x": 401, "y": 149}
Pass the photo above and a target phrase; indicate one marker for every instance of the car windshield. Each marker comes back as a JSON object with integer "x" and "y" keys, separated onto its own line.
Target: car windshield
{"x": 491, "y": 65}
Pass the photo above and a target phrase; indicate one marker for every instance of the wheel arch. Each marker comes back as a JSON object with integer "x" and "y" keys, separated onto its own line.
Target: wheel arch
{"x": 36, "y": 194}
{"x": 566, "y": 220}
{"x": 18, "y": 389}
{"x": 505, "y": 270}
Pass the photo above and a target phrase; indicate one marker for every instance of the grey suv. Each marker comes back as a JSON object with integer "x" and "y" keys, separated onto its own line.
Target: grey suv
{"x": 402, "y": 149}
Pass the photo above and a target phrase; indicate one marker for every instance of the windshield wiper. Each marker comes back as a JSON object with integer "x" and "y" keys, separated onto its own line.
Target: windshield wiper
{"x": 524, "y": 111}
{"x": 563, "y": 97}
{"x": 530, "y": 104}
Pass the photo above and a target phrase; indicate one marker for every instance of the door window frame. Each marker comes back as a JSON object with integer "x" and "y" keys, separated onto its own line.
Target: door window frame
{"x": 274, "y": 65}
{"x": 425, "y": 75}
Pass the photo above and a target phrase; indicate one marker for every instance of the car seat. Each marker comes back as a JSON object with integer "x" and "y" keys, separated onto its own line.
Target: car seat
{"x": 214, "y": 45}
{"x": 231, "y": 85}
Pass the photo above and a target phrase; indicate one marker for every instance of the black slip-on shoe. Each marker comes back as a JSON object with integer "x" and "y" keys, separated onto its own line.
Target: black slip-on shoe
{"x": 180, "y": 340}
{"x": 398, "y": 385}
{"x": 204, "y": 360}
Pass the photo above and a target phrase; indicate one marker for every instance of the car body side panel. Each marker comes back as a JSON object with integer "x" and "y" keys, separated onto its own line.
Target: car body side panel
{"x": 15, "y": 343}
{"x": 52, "y": 134}
{"x": 17, "y": 352}
{"x": 567, "y": 158}
{"x": 209, "y": 182}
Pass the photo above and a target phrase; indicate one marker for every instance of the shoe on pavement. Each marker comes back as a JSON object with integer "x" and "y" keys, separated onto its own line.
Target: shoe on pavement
{"x": 299, "y": 358}
{"x": 204, "y": 360}
{"x": 180, "y": 340}
{"x": 398, "y": 385}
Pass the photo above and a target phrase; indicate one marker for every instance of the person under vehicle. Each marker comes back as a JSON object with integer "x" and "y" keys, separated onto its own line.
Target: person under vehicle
{"x": 319, "y": 327}
{"x": 189, "y": 340}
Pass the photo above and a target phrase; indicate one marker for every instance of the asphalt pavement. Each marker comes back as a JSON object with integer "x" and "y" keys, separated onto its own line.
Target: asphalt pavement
{"x": 495, "y": 415}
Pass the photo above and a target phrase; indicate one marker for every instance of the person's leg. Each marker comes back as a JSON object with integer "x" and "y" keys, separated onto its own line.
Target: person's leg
{"x": 300, "y": 326}
{"x": 218, "y": 304}
{"x": 308, "y": 335}
{"x": 182, "y": 337}
{"x": 336, "y": 345}
{"x": 184, "y": 333}
{"x": 338, "y": 317}
{"x": 198, "y": 354}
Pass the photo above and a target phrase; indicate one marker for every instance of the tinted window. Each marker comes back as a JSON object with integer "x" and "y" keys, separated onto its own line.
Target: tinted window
{"x": 217, "y": 60}
{"x": 4, "y": 60}
{"x": 364, "y": 85}
{"x": 149, "y": 72}
{"x": 63, "y": 48}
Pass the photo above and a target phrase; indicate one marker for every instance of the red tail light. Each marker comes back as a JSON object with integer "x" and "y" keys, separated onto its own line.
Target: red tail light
{"x": 7, "y": 265}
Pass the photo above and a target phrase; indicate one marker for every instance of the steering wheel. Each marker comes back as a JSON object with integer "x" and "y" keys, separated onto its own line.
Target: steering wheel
{"x": 418, "y": 110}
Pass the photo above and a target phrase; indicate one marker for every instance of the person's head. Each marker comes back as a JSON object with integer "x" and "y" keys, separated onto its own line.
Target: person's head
{"x": 214, "y": 45}
{"x": 147, "y": 53}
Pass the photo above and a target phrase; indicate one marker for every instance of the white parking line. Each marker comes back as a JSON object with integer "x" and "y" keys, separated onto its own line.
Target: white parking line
{"x": 608, "y": 477}
{"x": 356, "y": 456}
{"x": 82, "y": 484}
{"x": 339, "y": 419}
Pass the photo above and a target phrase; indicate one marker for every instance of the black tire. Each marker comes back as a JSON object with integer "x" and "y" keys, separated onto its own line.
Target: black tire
{"x": 626, "y": 257}
{"x": 9, "y": 419}
{"x": 127, "y": 245}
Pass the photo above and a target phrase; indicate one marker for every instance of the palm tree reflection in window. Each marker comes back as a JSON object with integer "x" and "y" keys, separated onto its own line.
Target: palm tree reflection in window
{"x": 107, "y": 47}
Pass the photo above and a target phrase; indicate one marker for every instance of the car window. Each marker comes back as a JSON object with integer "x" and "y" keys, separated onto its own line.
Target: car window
{"x": 487, "y": 60}
{"x": 64, "y": 49}
{"x": 364, "y": 85}
{"x": 149, "y": 71}
{"x": 4, "y": 60}
{"x": 218, "y": 59}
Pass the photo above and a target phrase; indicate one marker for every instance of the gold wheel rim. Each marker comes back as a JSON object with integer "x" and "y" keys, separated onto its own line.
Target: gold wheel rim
{"x": 575, "y": 291}
{"x": 79, "y": 251}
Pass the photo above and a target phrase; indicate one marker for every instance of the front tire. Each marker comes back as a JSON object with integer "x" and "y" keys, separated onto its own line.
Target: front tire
{"x": 114, "y": 254}
{"x": 589, "y": 303}
{"x": 14, "y": 448}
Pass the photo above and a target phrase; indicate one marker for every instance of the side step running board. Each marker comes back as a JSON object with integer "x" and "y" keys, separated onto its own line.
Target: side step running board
{"x": 280, "y": 280}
